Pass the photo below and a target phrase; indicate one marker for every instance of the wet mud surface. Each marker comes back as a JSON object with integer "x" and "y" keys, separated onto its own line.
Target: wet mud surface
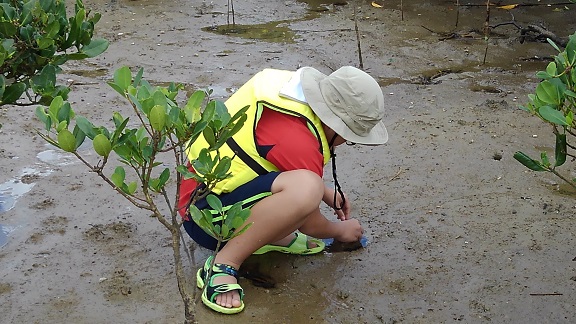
{"x": 457, "y": 230}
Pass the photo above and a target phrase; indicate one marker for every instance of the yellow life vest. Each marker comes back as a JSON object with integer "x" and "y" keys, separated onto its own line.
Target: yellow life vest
{"x": 262, "y": 90}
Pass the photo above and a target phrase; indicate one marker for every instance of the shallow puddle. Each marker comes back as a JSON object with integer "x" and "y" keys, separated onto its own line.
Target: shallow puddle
{"x": 11, "y": 191}
{"x": 274, "y": 32}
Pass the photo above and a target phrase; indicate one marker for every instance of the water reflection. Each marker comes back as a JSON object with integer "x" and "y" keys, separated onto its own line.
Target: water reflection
{"x": 58, "y": 158}
{"x": 3, "y": 236}
{"x": 13, "y": 189}
{"x": 5, "y": 230}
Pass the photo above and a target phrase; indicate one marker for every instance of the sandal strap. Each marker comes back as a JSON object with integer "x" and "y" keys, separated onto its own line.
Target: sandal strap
{"x": 214, "y": 290}
{"x": 218, "y": 268}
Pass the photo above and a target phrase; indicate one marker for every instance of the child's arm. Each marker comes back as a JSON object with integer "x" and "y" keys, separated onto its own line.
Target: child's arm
{"x": 328, "y": 198}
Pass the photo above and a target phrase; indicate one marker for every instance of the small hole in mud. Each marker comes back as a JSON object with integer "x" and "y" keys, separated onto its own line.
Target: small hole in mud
{"x": 497, "y": 156}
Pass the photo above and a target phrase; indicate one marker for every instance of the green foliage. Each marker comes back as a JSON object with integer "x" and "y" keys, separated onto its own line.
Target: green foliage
{"x": 165, "y": 129}
{"x": 554, "y": 102}
{"x": 36, "y": 37}
{"x": 231, "y": 219}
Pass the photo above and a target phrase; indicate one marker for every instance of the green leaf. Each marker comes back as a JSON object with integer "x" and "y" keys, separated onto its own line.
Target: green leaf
{"x": 238, "y": 125}
{"x": 222, "y": 112}
{"x": 560, "y": 149}
{"x": 548, "y": 92}
{"x": 44, "y": 42}
{"x": 138, "y": 77}
{"x": 118, "y": 177}
{"x": 209, "y": 136}
{"x": 119, "y": 129}
{"x": 163, "y": 177}
{"x": 66, "y": 141}
{"x": 157, "y": 117}
{"x": 209, "y": 112}
{"x": 122, "y": 78}
{"x": 159, "y": 98}
{"x": 214, "y": 203}
{"x": 570, "y": 118}
{"x": 195, "y": 213}
{"x": 96, "y": 47}
{"x": 55, "y": 106}
{"x": 225, "y": 231}
{"x": 551, "y": 42}
{"x": 7, "y": 29}
{"x": 62, "y": 125}
{"x": 131, "y": 189}
{"x": 117, "y": 88}
{"x": 86, "y": 126}
{"x": 146, "y": 151}
{"x": 571, "y": 49}
{"x": 529, "y": 162}
{"x": 524, "y": 108}
{"x": 79, "y": 135}
{"x": 43, "y": 116}
{"x": 65, "y": 112}
{"x": 13, "y": 92}
{"x": 192, "y": 109}
{"x": 543, "y": 75}
{"x": 545, "y": 162}
{"x": 222, "y": 168}
{"x": 551, "y": 69}
{"x": 552, "y": 115}
{"x": 207, "y": 215}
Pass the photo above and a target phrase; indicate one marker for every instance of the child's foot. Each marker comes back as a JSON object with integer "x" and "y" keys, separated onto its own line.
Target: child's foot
{"x": 220, "y": 290}
{"x": 229, "y": 299}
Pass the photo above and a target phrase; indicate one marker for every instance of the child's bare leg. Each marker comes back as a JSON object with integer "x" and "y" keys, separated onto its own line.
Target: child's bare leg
{"x": 295, "y": 195}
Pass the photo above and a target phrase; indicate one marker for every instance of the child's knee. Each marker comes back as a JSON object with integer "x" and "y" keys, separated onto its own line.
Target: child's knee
{"x": 304, "y": 183}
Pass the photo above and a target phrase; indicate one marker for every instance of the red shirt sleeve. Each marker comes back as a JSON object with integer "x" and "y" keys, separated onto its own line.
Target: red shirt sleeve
{"x": 287, "y": 142}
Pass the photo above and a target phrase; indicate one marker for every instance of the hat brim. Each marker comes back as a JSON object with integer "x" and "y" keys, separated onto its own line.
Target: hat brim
{"x": 310, "y": 79}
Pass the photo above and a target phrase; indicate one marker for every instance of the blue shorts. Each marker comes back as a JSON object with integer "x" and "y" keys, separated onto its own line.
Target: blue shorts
{"x": 249, "y": 193}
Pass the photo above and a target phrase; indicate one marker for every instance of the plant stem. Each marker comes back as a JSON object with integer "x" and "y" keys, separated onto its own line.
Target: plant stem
{"x": 571, "y": 183}
{"x": 361, "y": 66}
{"x": 457, "y": 11}
{"x": 486, "y": 29}
{"x": 187, "y": 298}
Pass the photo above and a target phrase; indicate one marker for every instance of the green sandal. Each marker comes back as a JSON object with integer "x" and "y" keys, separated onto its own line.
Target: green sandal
{"x": 299, "y": 245}
{"x": 210, "y": 291}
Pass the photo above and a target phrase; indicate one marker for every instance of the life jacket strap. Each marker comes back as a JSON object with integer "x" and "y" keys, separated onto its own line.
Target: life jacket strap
{"x": 247, "y": 159}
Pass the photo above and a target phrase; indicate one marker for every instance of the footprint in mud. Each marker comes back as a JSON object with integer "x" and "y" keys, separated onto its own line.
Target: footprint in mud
{"x": 51, "y": 225}
{"x": 115, "y": 230}
{"x": 5, "y": 288}
{"x": 118, "y": 285}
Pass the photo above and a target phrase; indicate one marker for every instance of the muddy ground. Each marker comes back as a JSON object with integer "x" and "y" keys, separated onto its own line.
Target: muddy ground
{"x": 457, "y": 230}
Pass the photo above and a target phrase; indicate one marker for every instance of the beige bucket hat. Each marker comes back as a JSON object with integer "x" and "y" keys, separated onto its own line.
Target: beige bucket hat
{"x": 349, "y": 101}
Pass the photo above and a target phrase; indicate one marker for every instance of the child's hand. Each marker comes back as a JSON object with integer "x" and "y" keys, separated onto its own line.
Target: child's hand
{"x": 344, "y": 213}
{"x": 350, "y": 231}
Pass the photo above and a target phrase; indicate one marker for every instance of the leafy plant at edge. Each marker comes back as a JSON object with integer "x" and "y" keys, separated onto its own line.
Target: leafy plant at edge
{"x": 163, "y": 129}
{"x": 36, "y": 38}
{"x": 554, "y": 102}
